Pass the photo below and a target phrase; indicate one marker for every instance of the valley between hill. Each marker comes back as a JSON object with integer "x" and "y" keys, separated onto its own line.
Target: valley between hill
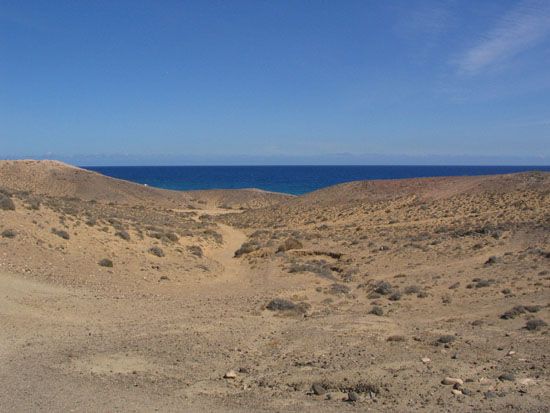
{"x": 423, "y": 294}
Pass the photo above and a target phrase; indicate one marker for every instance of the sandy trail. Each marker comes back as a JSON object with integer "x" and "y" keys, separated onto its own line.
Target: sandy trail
{"x": 232, "y": 239}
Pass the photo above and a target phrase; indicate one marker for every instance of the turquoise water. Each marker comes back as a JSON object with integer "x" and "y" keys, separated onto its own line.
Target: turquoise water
{"x": 289, "y": 179}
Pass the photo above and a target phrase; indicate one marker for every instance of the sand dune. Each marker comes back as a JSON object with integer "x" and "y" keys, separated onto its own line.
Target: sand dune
{"x": 424, "y": 294}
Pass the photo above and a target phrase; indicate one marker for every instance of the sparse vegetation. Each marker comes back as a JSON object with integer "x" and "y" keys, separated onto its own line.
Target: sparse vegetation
{"x": 61, "y": 233}
{"x": 482, "y": 283}
{"x": 280, "y": 304}
{"x": 171, "y": 236}
{"x": 396, "y": 338}
{"x": 317, "y": 267}
{"x": 493, "y": 260}
{"x": 446, "y": 339}
{"x": 412, "y": 289}
{"x": 106, "y": 262}
{"x": 361, "y": 319}
{"x": 290, "y": 244}
{"x": 339, "y": 289}
{"x": 195, "y": 250}
{"x": 287, "y": 306}
{"x": 123, "y": 234}
{"x": 9, "y": 233}
{"x": 33, "y": 204}
{"x": 157, "y": 251}
{"x": 376, "y": 310}
{"x": 519, "y": 310}
{"x": 247, "y": 248}
{"x": 535, "y": 324}
{"x": 395, "y": 296}
{"x": 6, "y": 204}
{"x": 383, "y": 288}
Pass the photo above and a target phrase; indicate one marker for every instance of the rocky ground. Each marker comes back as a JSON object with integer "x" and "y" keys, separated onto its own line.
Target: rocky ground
{"x": 426, "y": 294}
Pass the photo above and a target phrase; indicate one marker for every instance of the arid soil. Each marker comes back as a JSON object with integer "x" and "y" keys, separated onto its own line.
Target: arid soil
{"x": 405, "y": 295}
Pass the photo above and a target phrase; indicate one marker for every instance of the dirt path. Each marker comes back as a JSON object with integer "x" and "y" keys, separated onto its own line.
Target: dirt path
{"x": 224, "y": 255}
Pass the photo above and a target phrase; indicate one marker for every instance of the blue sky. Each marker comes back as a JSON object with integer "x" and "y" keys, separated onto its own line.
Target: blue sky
{"x": 276, "y": 81}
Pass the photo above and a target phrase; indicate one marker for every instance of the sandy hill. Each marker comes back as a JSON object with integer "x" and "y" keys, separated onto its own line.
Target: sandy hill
{"x": 353, "y": 197}
{"x": 426, "y": 188}
{"x": 56, "y": 179}
{"x": 402, "y": 295}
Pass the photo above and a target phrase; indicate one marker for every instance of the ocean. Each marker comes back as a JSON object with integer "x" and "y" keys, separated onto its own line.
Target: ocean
{"x": 289, "y": 179}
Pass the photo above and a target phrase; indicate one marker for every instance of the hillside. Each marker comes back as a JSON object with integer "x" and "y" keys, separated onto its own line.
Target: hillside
{"x": 56, "y": 179}
{"x": 404, "y": 295}
{"x": 353, "y": 196}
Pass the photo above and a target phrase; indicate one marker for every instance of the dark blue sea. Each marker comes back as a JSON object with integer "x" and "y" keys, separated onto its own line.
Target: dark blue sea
{"x": 290, "y": 179}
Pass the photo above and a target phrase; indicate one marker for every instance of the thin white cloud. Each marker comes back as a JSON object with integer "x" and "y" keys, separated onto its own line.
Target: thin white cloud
{"x": 426, "y": 18}
{"x": 430, "y": 19}
{"x": 517, "y": 31}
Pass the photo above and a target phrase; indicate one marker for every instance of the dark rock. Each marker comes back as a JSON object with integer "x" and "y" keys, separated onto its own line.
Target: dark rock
{"x": 352, "y": 397}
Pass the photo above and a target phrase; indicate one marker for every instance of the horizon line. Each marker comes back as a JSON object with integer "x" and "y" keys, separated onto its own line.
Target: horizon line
{"x": 306, "y": 165}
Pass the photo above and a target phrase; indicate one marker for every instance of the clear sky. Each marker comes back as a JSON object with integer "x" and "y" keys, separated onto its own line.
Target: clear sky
{"x": 257, "y": 81}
